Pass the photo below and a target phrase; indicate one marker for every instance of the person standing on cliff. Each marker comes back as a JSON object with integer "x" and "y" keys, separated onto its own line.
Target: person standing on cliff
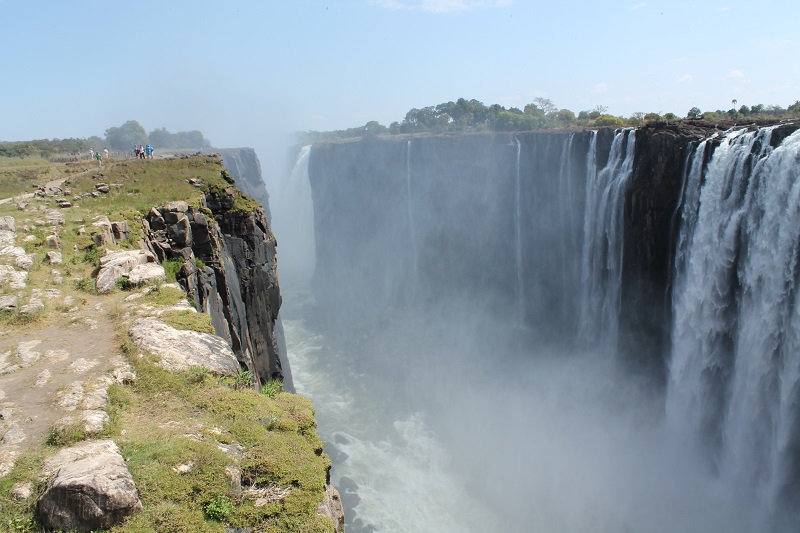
{"x": 99, "y": 158}
{"x": 105, "y": 153}
{"x": 149, "y": 151}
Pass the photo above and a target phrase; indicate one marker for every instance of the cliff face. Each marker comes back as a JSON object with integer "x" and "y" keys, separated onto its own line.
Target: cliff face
{"x": 229, "y": 271}
{"x": 244, "y": 167}
{"x": 502, "y": 218}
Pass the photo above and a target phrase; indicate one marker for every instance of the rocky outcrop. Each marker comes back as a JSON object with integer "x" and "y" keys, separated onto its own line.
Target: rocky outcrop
{"x": 138, "y": 266}
{"x": 331, "y": 507}
{"x": 245, "y": 169}
{"x": 229, "y": 270}
{"x": 181, "y": 349}
{"x": 89, "y": 488}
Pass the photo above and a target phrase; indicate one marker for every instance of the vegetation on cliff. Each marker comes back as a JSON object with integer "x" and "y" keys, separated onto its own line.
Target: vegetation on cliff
{"x": 473, "y": 116}
{"x": 206, "y": 452}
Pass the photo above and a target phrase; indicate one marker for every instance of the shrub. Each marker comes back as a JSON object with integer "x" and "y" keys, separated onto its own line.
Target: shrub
{"x": 218, "y": 508}
{"x": 171, "y": 268}
{"x": 272, "y": 388}
{"x": 609, "y": 120}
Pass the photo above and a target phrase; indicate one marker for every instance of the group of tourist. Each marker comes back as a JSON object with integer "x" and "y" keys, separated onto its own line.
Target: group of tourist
{"x": 143, "y": 152}
{"x": 97, "y": 155}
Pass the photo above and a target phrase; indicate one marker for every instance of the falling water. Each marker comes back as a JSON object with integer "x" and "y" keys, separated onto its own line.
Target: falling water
{"x": 520, "y": 289}
{"x": 734, "y": 382}
{"x": 601, "y": 259}
{"x": 412, "y": 234}
{"x": 293, "y": 212}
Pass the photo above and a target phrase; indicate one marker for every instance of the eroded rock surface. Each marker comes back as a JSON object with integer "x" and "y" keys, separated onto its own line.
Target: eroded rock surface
{"x": 92, "y": 489}
{"x": 179, "y": 349}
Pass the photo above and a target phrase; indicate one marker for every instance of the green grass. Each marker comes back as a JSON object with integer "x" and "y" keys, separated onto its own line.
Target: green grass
{"x": 187, "y": 320}
{"x": 278, "y": 437}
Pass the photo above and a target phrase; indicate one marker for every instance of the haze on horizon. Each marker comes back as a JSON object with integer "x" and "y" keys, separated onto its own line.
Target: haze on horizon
{"x": 246, "y": 73}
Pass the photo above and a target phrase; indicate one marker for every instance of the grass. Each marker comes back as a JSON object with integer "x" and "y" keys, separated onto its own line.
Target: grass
{"x": 279, "y": 442}
{"x": 187, "y": 319}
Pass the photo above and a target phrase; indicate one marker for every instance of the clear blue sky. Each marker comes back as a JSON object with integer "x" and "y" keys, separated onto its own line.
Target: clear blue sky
{"x": 243, "y": 72}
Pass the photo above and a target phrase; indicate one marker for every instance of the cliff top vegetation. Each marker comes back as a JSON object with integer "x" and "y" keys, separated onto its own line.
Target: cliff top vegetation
{"x": 206, "y": 452}
{"x": 464, "y": 116}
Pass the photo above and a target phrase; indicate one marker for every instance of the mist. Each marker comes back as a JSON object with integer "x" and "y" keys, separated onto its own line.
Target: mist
{"x": 454, "y": 322}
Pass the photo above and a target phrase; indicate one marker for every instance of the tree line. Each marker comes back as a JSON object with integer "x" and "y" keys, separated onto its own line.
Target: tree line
{"x": 473, "y": 116}
{"x": 121, "y": 138}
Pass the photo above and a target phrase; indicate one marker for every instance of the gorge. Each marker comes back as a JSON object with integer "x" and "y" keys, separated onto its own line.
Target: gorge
{"x": 551, "y": 331}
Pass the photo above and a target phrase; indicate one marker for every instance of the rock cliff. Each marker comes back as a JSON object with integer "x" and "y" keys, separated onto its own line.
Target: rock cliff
{"x": 229, "y": 269}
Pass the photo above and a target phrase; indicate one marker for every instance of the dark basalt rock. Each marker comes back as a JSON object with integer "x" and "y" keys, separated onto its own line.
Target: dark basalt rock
{"x": 230, "y": 272}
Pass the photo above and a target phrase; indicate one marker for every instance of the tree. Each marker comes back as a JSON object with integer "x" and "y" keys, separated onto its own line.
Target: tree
{"x": 744, "y": 110}
{"x": 734, "y": 102}
{"x": 794, "y": 109}
{"x": 637, "y": 119}
{"x": 533, "y": 109}
{"x": 757, "y": 109}
{"x": 694, "y": 113}
{"x": 162, "y": 138}
{"x": 652, "y": 117}
{"x": 124, "y": 137}
{"x": 609, "y": 120}
{"x": 565, "y": 117}
{"x": 546, "y": 105}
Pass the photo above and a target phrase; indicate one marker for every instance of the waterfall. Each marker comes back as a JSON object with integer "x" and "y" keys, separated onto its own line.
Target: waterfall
{"x": 734, "y": 378}
{"x": 412, "y": 234}
{"x": 520, "y": 295}
{"x": 294, "y": 224}
{"x": 601, "y": 257}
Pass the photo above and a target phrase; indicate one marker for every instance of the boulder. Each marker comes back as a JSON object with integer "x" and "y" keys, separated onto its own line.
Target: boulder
{"x": 178, "y": 206}
{"x": 179, "y": 349}
{"x": 120, "y": 230}
{"x": 92, "y": 489}
{"x": 34, "y": 305}
{"x": 21, "y": 259}
{"x": 7, "y": 238}
{"x": 8, "y": 224}
{"x": 146, "y": 274}
{"x": 103, "y": 234}
{"x": 115, "y": 265}
{"x": 54, "y": 258}
{"x": 180, "y": 231}
{"x": 8, "y": 303}
{"x": 52, "y": 241}
{"x": 55, "y": 218}
{"x": 14, "y": 278}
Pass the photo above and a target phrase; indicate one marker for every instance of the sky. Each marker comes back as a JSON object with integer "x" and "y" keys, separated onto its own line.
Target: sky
{"x": 246, "y": 73}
